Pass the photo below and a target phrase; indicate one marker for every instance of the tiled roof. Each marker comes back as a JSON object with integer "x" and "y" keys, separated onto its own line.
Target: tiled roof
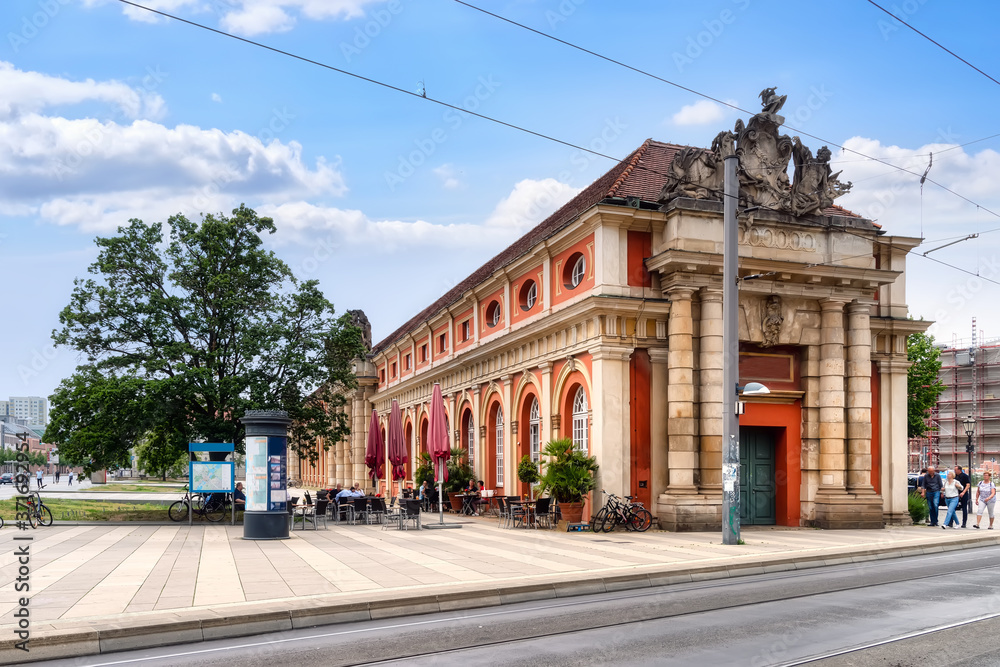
{"x": 641, "y": 174}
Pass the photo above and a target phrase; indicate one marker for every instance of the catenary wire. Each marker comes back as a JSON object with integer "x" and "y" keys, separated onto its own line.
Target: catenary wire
{"x": 933, "y": 41}
{"x": 717, "y": 100}
{"x": 523, "y": 129}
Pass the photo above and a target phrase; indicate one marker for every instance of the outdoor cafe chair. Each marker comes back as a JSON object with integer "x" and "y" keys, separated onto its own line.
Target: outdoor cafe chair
{"x": 345, "y": 511}
{"x": 518, "y": 511}
{"x": 314, "y": 513}
{"x": 360, "y": 510}
{"x": 542, "y": 513}
{"x": 411, "y": 514}
{"x": 376, "y": 511}
{"x": 503, "y": 511}
{"x": 393, "y": 515}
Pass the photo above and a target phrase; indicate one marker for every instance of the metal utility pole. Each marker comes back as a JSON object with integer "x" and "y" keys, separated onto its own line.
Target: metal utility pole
{"x": 730, "y": 359}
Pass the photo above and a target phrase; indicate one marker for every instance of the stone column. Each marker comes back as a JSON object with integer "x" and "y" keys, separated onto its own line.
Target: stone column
{"x": 710, "y": 360}
{"x": 510, "y": 482}
{"x": 832, "y": 454}
{"x": 859, "y": 399}
{"x": 658, "y": 448}
{"x": 609, "y": 429}
{"x": 809, "y": 463}
{"x": 893, "y": 398}
{"x": 545, "y": 410}
{"x": 682, "y": 460}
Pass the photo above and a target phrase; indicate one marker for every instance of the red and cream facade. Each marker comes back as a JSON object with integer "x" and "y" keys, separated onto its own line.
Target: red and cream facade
{"x": 604, "y": 324}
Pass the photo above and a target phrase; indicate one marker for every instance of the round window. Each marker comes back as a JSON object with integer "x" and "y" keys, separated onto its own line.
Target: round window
{"x": 576, "y": 269}
{"x": 529, "y": 294}
{"x": 493, "y": 314}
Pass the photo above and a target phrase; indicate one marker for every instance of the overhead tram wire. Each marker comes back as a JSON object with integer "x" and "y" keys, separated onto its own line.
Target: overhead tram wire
{"x": 714, "y": 99}
{"x": 512, "y": 125}
{"x": 933, "y": 41}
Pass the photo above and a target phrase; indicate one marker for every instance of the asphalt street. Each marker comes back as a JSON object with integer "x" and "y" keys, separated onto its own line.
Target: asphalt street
{"x": 888, "y": 613}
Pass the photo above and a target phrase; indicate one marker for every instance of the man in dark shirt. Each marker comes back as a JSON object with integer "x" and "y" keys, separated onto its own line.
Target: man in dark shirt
{"x": 930, "y": 489}
{"x": 965, "y": 496}
{"x": 239, "y": 498}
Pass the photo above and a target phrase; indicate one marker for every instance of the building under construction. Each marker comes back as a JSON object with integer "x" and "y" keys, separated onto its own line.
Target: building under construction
{"x": 970, "y": 371}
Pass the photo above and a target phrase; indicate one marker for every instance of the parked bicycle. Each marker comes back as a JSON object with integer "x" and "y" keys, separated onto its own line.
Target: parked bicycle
{"x": 38, "y": 514}
{"x": 629, "y": 513}
{"x": 212, "y": 506}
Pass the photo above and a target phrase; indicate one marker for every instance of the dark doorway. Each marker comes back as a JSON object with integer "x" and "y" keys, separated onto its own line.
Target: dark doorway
{"x": 757, "y": 483}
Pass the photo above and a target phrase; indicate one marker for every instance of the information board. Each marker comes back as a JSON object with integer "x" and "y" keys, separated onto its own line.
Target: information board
{"x": 257, "y": 474}
{"x": 277, "y": 473}
{"x": 211, "y": 476}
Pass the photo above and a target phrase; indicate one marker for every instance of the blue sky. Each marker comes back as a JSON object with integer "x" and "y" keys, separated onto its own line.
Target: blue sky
{"x": 107, "y": 113}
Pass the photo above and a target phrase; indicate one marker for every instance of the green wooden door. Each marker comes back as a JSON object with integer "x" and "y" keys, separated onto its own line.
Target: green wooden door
{"x": 757, "y": 487}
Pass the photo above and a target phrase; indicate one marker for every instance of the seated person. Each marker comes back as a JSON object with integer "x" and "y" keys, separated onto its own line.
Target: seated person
{"x": 345, "y": 493}
{"x": 239, "y": 498}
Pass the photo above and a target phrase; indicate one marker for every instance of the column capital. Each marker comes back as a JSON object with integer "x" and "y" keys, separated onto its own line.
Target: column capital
{"x": 545, "y": 367}
{"x": 859, "y": 307}
{"x": 680, "y": 293}
{"x": 614, "y": 353}
{"x": 658, "y": 355}
{"x": 832, "y": 303}
{"x": 710, "y": 294}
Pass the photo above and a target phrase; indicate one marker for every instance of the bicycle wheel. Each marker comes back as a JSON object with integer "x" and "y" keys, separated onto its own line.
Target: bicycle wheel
{"x": 32, "y": 516}
{"x": 178, "y": 511}
{"x": 1, "y": 522}
{"x": 641, "y": 520}
{"x": 596, "y": 521}
{"x": 610, "y": 519}
{"x": 215, "y": 509}
{"x": 44, "y": 516}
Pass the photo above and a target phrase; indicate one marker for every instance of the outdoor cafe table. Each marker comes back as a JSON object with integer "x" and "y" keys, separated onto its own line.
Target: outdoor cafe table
{"x": 467, "y": 506}
{"x": 527, "y": 509}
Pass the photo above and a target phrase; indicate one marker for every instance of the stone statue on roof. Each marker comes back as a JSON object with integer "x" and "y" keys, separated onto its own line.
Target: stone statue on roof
{"x": 360, "y": 320}
{"x": 764, "y": 154}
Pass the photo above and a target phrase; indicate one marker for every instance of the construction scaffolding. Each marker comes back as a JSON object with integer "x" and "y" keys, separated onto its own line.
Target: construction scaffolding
{"x": 970, "y": 371}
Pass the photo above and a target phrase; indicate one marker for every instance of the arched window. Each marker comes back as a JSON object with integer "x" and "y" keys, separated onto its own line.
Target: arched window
{"x": 499, "y": 438}
{"x": 580, "y": 420}
{"x": 470, "y": 435}
{"x": 534, "y": 431}
{"x": 579, "y": 270}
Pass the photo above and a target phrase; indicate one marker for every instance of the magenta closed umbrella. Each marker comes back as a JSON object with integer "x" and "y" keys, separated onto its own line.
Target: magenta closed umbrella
{"x": 397, "y": 443}
{"x": 375, "y": 450}
{"x": 437, "y": 443}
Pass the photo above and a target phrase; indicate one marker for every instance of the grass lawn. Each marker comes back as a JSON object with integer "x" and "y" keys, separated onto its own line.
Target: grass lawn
{"x": 96, "y": 510}
{"x": 141, "y": 488}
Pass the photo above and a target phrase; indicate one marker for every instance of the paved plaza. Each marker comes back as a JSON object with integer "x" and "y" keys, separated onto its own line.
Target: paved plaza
{"x": 88, "y": 575}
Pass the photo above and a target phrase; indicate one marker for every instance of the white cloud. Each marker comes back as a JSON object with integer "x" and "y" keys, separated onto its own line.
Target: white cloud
{"x": 449, "y": 179}
{"x": 529, "y": 203}
{"x": 251, "y": 17}
{"x": 96, "y": 174}
{"x": 25, "y": 91}
{"x": 702, "y": 112}
{"x": 217, "y": 98}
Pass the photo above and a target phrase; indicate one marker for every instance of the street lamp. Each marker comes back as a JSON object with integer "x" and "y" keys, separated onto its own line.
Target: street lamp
{"x": 970, "y": 428}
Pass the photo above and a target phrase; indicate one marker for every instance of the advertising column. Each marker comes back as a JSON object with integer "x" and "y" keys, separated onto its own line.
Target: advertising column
{"x": 266, "y": 515}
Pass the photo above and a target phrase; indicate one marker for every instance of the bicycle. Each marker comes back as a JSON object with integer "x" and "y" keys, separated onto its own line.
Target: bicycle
{"x": 38, "y": 513}
{"x": 294, "y": 483}
{"x": 633, "y": 515}
{"x": 211, "y": 506}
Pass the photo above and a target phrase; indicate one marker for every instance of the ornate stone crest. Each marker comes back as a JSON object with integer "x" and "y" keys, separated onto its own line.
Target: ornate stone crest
{"x": 764, "y": 155}
{"x": 771, "y": 324}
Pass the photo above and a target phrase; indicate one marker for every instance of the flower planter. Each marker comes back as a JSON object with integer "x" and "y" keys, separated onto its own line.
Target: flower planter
{"x": 571, "y": 512}
{"x": 456, "y": 502}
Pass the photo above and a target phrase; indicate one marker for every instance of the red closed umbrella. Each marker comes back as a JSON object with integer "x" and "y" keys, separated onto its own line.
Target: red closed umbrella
{"x": 397, "y": 443}
{"x": 375, "y": 450}
{"x": 437, "y": 444}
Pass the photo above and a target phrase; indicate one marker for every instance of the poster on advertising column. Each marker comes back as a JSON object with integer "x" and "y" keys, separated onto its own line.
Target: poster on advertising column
{"x": 257, "y": 473}
{"x": 277, "y": 473}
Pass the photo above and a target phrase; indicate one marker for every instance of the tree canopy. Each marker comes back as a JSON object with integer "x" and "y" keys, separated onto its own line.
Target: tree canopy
{"x": 923, "y": 385}
{"x": 184, "y": 328}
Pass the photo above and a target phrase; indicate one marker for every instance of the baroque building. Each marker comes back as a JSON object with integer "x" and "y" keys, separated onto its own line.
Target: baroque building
{"x": 604, "y": 324}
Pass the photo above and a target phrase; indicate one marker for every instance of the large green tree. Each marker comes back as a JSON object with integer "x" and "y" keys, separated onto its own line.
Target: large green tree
{"x": 923, "y": 386}
{"x": 185, "y": 327}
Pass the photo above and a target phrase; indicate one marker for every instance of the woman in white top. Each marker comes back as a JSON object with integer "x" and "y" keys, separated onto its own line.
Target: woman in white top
{"x": 986, "y": 499}
{"x": 951, "y": 490}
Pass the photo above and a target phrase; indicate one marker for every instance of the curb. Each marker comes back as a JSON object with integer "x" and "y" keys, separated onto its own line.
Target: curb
{"x": 186, "y": 626}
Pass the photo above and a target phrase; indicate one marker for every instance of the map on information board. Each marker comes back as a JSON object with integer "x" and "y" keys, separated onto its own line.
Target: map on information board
{"x": 212, "y": 476}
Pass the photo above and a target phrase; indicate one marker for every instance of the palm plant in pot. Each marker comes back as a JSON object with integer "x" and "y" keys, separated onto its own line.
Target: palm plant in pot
{"x": 460, "y": 473}
{"x": 567, "y": 476}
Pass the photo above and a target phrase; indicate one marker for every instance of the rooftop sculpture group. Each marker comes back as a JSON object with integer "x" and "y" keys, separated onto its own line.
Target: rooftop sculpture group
{"x": 763, "y": 166}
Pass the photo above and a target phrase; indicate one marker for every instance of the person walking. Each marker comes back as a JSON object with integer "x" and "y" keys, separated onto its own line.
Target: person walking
{"x": 930, "y": 489}
{"x": 57, "y": 476}
{"x": 38, "y": 478}
{"x": 986, "y": 498}
{"x": 965, "y": 496}
{"x": 952, "y": 489}
{"x": 69, "y": 478}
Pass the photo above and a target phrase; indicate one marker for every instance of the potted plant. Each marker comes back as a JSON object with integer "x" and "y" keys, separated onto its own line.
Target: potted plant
{"x": 527, "y": 473}
{"x": 424, "y": 471}
{"x": 917, "y": 507}
{"x": 460, "y": 473}
{"x": 568, "y": 476}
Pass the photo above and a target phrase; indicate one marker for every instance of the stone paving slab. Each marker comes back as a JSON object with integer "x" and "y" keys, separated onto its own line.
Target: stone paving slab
{"x": 116, "y": 586}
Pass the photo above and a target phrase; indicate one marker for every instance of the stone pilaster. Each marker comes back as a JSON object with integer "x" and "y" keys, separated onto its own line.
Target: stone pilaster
{"x": 658, "y": 448}
{"x": 710, "y": 361}
{"x": 609, "y": 432}
{"x": 681, "y": 428}
{"x": 810, "y": 432}
{"x": 892, "y": 369}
